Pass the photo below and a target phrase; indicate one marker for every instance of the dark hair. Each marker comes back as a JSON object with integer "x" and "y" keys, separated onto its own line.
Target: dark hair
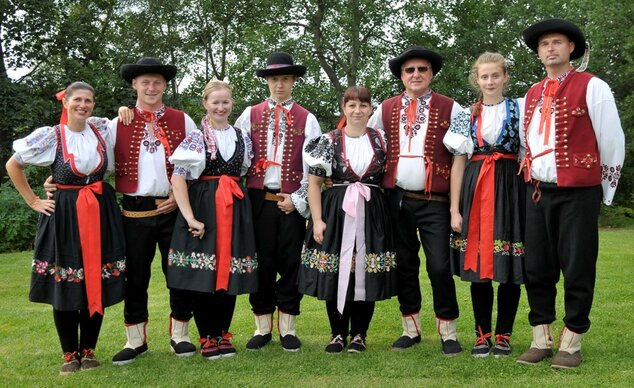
{"x": 360, "y": 93}
{"x": 78, "y": 85}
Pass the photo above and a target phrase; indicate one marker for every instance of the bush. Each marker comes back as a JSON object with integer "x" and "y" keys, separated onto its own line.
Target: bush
{"x": 18, "y": 221}
{"x": 616, "y": 216}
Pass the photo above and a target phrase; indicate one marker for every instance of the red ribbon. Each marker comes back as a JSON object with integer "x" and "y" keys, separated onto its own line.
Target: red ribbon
{"x": 263, "y": 164}
{"x": 89, "y": 225}
{"x": 549, "y": 93}
{"x": 411, "y": 121}
{"x": 63, "y": 119}
{"x": 481, "y": 217}
{"x": 150, "y": 118}
{"x": 342, "y": 122}
{"x": 227, "y": 189}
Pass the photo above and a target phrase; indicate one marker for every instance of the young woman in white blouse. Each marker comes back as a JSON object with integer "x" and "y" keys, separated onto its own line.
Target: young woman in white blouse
{"x": 212, "y": 252}
{"x": 487, "y": 203}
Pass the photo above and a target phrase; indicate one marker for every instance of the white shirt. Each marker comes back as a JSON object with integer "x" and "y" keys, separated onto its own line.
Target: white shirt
{"x": 39, "y": 148}
{"x": 410, "y": 171}
{"x": 152, "y": 173}
{"x": 609, "y": 135}
{"x": 272, "y": 178}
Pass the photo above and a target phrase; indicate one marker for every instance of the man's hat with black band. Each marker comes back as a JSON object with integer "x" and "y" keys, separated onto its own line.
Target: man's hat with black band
{"x": 147, "y": 65}
{"x": 415, "y": 52}
{"x": 281, "y": 63}
{"x": 532, "y": 34}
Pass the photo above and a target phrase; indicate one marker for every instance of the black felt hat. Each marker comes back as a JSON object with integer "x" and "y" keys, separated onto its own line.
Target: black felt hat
{"x": 415, "y": 52}
{"x": 532, "y": 34}
{"x": 281, "y": 63}
{"x": 147, "y": 65}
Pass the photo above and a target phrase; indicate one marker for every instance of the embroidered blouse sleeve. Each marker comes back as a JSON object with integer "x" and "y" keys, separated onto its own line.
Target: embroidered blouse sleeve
{"x": 248, "y": 152}
{"x": 38, "y": 148}
{"x": 458, "y": 139}
{"x": 189, "y": 156}
{"x": 300, "y": 196}
{"x": 318, "y": 155}
{"x": 610, "y": 138}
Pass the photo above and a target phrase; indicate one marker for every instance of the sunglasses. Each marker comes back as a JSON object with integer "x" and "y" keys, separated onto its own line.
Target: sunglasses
{"x": 411, "y": 70}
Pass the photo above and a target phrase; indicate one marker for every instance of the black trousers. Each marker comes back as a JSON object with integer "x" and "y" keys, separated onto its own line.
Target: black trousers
{"x": 213, "y": 312}
{"x": 482, "y": 301}
{"x": 142, "y": 236}
{"x": 429, "y": 220}
{"x": 278, "y": 238}
{"x": 562, "y": 236}
{"x": 355, "y": 319}
{"x": 68, "y": 323}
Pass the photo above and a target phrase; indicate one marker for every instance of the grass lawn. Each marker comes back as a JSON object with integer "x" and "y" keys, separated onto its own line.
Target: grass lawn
{"x": 30, "y": 353}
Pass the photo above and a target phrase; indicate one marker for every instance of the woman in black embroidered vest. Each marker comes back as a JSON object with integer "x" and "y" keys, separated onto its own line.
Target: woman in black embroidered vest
{"x": 487, "y": 205}
{"x": 213, "y": 246}
{"x": 79, "y": 257}
{"x": 349, "y": 221}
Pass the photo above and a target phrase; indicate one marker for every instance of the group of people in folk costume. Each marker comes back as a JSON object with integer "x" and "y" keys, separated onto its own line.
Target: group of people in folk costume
{"x": 506, "y": 190}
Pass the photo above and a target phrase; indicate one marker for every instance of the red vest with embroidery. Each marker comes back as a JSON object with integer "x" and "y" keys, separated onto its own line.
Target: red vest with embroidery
{"x": 440, "y": 158}
{"x": 128, "y": 147}
{"x": 576, "y": 150}
{"x": 292, "y": 167}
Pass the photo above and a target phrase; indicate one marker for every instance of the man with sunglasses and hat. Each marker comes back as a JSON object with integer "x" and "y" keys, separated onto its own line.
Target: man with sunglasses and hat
{"x": 277, "y": 184}
{"x": 143, "y": 176}
{"x": 574, "y": 152}
{"x": 417, "y": 187}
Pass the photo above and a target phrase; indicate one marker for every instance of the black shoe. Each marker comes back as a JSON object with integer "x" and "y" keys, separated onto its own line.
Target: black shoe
{"x": 225, "y": 346}
{"x": 336, "y": 345}
{"x": 482, "y": 346}
{"x": 451, "y": 348}
{"x": 209, "y": 348}
{"x": 183, "y": 348}
{"x": 127, "y": 355}
{"x": 405, "y": 342}
{"x": 502, "y": 346}
{"x": 290, "y": 343}
{"x": 258, "y": 341}
{"x": 357, "y": 345}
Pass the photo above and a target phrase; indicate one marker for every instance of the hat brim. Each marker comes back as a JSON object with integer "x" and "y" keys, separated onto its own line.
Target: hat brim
{"x": 422, "y": 53}
{"x": 297, "y": 70}
{"x": 532, "y": 34}
{"x": 131, "y": 71}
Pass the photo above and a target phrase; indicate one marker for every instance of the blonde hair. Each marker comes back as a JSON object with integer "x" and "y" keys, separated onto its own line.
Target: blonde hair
{"x": 484, "y": 58}
{"x": 214, "y": 85}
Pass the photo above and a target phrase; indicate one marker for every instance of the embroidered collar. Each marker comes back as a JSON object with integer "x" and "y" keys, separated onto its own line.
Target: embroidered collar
{"x": 157, "y": 113}
{"x": 494, "y": 104}
{"x": 286, "y": 103}
{"x": 422, "y": 99}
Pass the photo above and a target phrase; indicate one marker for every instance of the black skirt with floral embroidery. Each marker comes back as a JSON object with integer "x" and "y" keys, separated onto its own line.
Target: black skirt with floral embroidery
{"x": 58, "y": 269}
{"x": 508, "y": 224}
{"x": 192, "y": 262}
{"x": 319, "y": 270}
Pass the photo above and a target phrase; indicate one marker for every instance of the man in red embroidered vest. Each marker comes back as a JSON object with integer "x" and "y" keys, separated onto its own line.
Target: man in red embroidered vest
{"x": 574, "y": 151}
{"x": 142, "y": 175}
{"x": 277, "y": 183}
{"x": 417, "y": 187}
